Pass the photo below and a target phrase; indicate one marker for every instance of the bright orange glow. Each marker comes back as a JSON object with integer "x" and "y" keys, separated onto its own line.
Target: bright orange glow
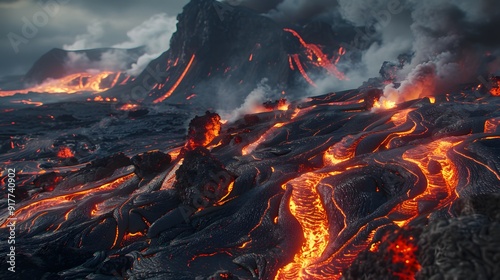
{"x": 341, "y": 151}
{"x": 177, "y": 83}
{"x": 80, "y": 82}
{"x": 128, "y": 107}
{"x": 384, "y": 104}
{"x": 27, "y": 102}
{"x": 65, "y": 152}
{"x": 307, "y": 208}
{"x": 495, "y": 90}
{"x": 441, "y": 179}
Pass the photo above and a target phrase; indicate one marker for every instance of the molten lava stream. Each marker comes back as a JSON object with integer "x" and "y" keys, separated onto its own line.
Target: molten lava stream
{"x": 307, "y": 208}
{"x": 33, "y": 208}
{"x": 302, "y": 71}
{"x": 440, "y": 173}
{"x": 177, "y": 83}
{"x": 321, "y": 58}
{"x": 73, "y": 83}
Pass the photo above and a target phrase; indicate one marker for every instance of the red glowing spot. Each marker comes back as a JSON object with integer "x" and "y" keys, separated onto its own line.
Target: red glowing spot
{"x": 65, "y": 152}
{"x": 404, "y": 252}
{"x": 251, "y": 57}
{"x": 191, "y": 96}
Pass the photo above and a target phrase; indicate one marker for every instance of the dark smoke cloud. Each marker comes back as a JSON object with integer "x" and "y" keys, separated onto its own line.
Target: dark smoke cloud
{"x": 453, "y": 44}
{"x": 451, "y": 41}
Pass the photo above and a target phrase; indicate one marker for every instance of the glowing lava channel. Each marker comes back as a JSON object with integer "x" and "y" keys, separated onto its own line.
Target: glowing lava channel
{"x": 177, "y": 83}
{"x": 73, "y": 83}
{"x": 321, "y": 58}
{"x": 307, "y": 208}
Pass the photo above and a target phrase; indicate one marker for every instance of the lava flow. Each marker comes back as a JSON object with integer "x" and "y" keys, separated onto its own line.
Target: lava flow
{"x": 317, "y": 57}
{"x": 74, "y": 83}
{"x": 177, "y": 83}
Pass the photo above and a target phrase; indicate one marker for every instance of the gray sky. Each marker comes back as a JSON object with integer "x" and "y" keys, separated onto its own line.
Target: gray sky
{"x": 59, "y": 22}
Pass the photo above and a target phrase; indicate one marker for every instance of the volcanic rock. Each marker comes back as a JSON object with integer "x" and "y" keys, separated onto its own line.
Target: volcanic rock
{"x": 47, "y": 181}
{"x": 150, "y": 163}
{"x": 201, "y": 180}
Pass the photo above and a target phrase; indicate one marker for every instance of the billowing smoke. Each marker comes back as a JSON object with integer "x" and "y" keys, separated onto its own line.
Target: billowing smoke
{"x": 112, "y": 60}
{"x": 89, "y": 40}
{"x": 449, "y": 42}
{"x": 253, "y": 102}
{"x": 153, "y": 35}
{"x": 453, "y": 44}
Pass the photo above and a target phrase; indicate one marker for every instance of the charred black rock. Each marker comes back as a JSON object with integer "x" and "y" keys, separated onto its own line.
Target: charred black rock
{"x": 138, "y": 113}
{"x": 150, "y": 162}
{"x": 273, "y": 105}
{"x": 47, "y": 181}
{"x": 98, "y": 169}
{"x": 201, "y": 180}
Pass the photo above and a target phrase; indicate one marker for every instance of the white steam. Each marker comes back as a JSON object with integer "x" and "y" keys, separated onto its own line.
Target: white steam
{"x": 253, "y": 102}
{"x": 89, "y": 40}
{"x": 153, "y": 34}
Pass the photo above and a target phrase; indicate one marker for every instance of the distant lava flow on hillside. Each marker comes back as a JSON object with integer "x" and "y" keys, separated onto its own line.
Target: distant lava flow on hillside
{"x": 398, "y": 178}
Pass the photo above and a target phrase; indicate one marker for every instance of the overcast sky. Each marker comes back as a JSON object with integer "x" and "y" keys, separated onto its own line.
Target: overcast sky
{"x": 58, "y": 23}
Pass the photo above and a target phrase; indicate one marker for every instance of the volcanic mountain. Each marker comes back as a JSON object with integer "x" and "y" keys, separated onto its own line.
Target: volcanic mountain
{"x": 56, "y": 63}
{"x": 219, "y": 54}
{"x": 335, "y": 186}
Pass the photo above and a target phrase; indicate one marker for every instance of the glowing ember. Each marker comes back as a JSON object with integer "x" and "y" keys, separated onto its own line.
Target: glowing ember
{"x": 65, "y": 152}
{"x": 404, "y": 252}
{"x": 128, "y": 107}
{"x": 495, "y": 90}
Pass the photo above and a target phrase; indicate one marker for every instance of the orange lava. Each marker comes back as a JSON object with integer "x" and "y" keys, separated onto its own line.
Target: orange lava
{"x": 37, "y": 207}
{"x": 439, "y": 171}
{"x": 316, "y": 55}
{"x": 65, "y": 152}
{"x": 128, "y": 107}
{"x": 491, "y": 125}
{"x": 177, "y": 83}
{"x": 79, "y": 82}
{"x": 307, "y": 208}
{"x": 202, "y": 136}
{"x": 495, "y": 90}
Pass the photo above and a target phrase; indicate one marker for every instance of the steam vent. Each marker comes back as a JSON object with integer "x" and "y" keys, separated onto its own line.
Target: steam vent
{"x": 250, "y": 139}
